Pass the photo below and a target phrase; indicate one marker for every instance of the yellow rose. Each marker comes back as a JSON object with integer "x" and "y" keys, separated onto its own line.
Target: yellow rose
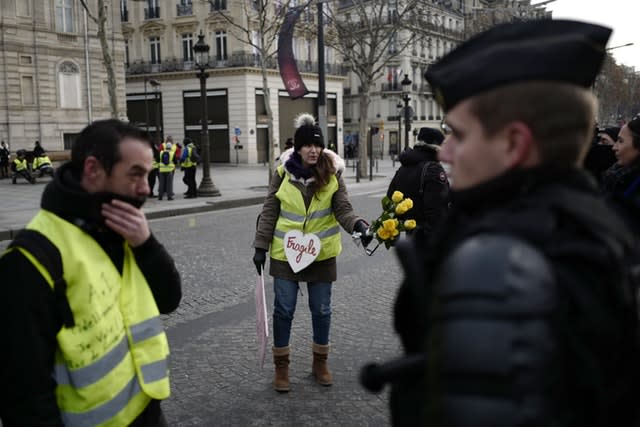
{"x": 397, "y": 196}
{"x": 395, "y": 232}
{"x": 383, "y": 234}
{"x": 410, "y": 224}
{"x": 401, "y": 208}
{"x": 408, "y": 203}
{"x": 389, "y": 224}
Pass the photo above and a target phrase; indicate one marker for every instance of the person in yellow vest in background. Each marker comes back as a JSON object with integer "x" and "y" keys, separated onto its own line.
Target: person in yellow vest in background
{"x": 153, "y": 175}
{"x": 42, "y": 164}
{"x": 20, "y": 168}
{"x": 166, "y": 168}
{"x": 83, "y": 287}
{"x": 190, "y": 160}
{"x": 307, "y": 195}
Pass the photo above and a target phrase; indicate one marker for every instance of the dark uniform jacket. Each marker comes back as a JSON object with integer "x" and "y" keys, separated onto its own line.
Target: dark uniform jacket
{"x": 31, "y": 318}
{"x": 422, "y": 179}
{"x": 590, "y": 333}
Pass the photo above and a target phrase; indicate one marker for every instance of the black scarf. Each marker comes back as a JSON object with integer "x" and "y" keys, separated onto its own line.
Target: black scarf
{"x": 295, "y": 167}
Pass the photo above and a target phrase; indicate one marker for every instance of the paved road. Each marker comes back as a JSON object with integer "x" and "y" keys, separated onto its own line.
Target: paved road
{"x": 215, "y": 377}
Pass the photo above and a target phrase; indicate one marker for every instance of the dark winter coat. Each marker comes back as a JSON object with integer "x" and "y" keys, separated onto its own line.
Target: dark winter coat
{"x": 31, "y": 317}
{"x": 324, "y": 270}
{"x": 559, "y": 213}
{"x": 422, "y": 178}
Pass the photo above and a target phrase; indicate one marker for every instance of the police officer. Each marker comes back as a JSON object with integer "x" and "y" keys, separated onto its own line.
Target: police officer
{"x": 520, "y": 301}
{"x": 422, "y": 178}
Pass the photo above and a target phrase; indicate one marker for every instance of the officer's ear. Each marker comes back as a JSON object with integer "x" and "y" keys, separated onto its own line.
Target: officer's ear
{"x": 521, "y": 149}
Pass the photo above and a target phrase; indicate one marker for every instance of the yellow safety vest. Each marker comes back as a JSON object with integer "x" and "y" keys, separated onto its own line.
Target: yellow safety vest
{"x": 187, "y": 163}
{"x": 318, "y": 219}
{"x": 171, "y": 166}
{"x": 20, "y": 164}
{"x": 41, "y": 161}
{"x": 111, "y": 364}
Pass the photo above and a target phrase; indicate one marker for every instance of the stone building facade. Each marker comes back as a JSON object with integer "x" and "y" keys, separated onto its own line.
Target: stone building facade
{"x": 163, "y": 92}
{"x": 52, "y": 78}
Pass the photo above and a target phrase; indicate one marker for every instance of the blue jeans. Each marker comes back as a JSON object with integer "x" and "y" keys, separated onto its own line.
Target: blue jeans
{"x": 284, "y": 306}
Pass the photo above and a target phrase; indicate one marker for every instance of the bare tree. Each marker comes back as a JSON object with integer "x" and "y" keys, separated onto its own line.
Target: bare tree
{"x": 101, "y": 20}
{"x": 368, "y": 34}
{"x": 258, "y": 27}
{"x": 615, "y": 88}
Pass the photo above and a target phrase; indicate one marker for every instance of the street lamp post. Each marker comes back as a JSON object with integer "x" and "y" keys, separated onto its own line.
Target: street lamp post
{"x": 201, "y": 56}
{"x": 399, "y": 107}
{"x": 146, "y": 105}
{"x": 156, "y": 98}
{"x": 406, "y": 89}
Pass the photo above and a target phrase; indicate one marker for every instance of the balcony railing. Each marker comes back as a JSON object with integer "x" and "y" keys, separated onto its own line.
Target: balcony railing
{"x": 184, "y": 9}
{"x": 390, "y": 87}
{"x": 152, "y": 12}
{"x": 235, "y": 60}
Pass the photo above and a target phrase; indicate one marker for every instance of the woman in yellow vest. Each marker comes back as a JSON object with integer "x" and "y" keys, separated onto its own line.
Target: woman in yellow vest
{"x": 300, "y": 224}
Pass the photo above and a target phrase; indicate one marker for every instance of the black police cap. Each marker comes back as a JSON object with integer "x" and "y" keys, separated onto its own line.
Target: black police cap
{"x": 540, "y": 50}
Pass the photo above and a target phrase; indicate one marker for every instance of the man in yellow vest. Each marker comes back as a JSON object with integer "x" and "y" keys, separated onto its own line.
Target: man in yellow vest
{"x": 20, "y": 168}
{"x": 83, "y": 287}
{"x": 190, "y": 159}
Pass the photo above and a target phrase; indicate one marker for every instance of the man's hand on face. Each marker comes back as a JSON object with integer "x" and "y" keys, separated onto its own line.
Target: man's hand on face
{"x": 126, "y": 220}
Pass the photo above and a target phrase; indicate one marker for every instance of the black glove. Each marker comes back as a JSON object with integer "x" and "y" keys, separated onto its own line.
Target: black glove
{"x": 362, "y": 228}
{"x": 259, "y": 258}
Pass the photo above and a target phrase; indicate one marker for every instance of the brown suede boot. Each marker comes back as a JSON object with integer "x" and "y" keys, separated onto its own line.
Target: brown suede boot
{"x": 320, "y": 369}
{"x": 281, "y": 360}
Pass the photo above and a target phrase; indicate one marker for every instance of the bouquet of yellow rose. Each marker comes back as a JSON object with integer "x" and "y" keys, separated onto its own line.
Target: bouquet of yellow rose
{"x": 386, "y": 228}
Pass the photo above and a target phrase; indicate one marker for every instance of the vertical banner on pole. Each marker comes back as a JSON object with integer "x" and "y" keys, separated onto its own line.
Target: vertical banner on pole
{"x": 286, "y": 62}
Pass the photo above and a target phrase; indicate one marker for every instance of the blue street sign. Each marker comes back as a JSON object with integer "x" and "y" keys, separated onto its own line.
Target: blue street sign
{"x": 237, "y": 131}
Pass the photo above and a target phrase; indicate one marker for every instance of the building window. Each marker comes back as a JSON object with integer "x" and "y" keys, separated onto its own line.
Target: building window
{"x": 221, "y": 45}
{"x": 64, "y": 16}
{"x": 187, "y": 47}
{"x": 124, "y": 11}
{"x": 126, "y": 53}
{"x": 69, "y": 85}
{"x": 27, "y": 89}
{"x": 153, "y": 10}
{"x": 218, "y": 5}
{"x": 154, "y": 46}
{"x": 68, "y": 139}
{"x": 26, "y": 60}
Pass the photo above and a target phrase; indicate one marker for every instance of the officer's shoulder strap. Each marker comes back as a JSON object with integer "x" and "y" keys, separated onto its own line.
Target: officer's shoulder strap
{"x": 38, "y": 245}
{"x": 432, "y": 169}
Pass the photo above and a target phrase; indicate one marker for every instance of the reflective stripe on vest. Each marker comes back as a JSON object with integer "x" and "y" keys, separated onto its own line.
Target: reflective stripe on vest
{"x": 187, "y": 160}
{"x": 20, "y": 164}
{"x": 318, "y": 219}
{"x": 171, "y": 166}
{"x": 111, "y": 364}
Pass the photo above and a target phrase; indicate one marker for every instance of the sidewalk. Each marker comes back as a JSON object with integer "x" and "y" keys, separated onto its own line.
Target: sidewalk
{"x": 240, "y": 185}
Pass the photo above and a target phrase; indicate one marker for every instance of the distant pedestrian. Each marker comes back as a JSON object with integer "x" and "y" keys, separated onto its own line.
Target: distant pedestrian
{"x": 83, "y": 287}
{"x": 4, "y": 160}
{"x": 600, "y": 156}
{"x": 37, "y": 149}
{"x": 166, "y": 168}
{"x": 20, "y": 168}
{"x": 153, "y": 174}
{"x": 422, "y": 178}
{"x": 189, "y": 165}
{"x": 307, "y": 195}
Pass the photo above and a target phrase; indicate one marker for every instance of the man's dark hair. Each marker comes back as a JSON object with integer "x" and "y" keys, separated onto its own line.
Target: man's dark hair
{"x": 101, "y": 140}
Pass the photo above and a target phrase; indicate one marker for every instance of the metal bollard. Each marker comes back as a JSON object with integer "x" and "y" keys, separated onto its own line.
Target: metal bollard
{"x": 376, "y": 165}
{"x": 357, "y": 165}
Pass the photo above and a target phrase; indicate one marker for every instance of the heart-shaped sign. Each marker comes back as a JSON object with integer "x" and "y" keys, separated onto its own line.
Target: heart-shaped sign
{"x": 301, "y": 249}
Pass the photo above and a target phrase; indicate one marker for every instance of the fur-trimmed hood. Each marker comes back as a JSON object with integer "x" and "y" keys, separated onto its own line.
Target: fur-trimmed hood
{"x": 338, "y": 163}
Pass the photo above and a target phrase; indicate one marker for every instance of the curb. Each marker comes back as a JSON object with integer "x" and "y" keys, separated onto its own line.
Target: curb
{"x": 208, "y": 207}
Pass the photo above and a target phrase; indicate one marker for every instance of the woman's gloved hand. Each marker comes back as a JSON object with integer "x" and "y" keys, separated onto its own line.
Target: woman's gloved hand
{"x": 259, "y": 258}
{"x": 363, "y": 228}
